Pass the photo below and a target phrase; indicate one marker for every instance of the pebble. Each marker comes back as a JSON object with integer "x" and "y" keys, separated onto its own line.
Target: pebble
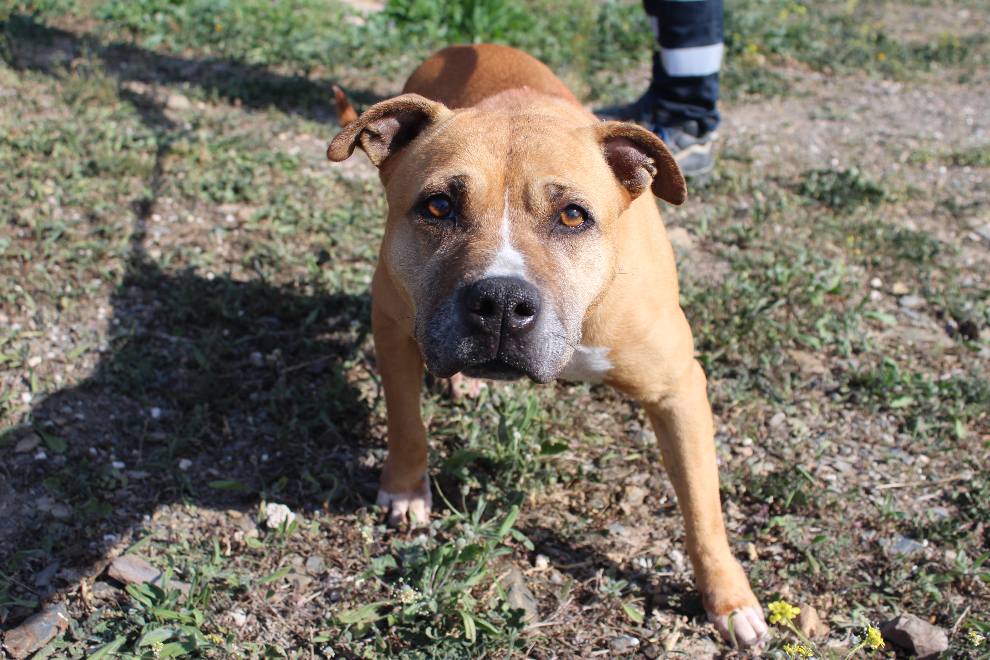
{"x": 876, "y": 283}
{"x": 916, "y": 635}
{"x": 542, "y": 563}
{"x": 185, "y": 464}
{"x": 257, "y": 359}
{"x": 751, "y": 552}
{"x": 131, "y": 569}
{"x": 634, "y": 495}
{"x": 900, "y": 289}
{"x": 316, "y": 565}
{"x": 809, "y": 623}
{"x": 517, "y": 594}
{"x": 276, "y": 514}
{"x": 624, "y": 644}
{"x": 900, "y": 545}
{"x": 177, "y": 101}
{"x": 238, "y": 617}
{"x": 27, "y": 444}
{"x": 778, "y": 419}
{"x": 911, "y": 302}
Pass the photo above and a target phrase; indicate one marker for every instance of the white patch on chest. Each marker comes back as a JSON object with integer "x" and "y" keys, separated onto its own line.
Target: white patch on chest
{"x": 509, "y": 261}
{"x": 589, "y": 363}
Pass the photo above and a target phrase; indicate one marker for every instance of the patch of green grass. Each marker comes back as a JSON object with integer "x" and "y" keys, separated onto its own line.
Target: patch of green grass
{"x": 842, "y": 190}
{"x": 433, "y": 591}
{"x": 922, "y": 400}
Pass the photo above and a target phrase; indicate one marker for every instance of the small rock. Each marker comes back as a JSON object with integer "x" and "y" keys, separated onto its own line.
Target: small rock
{"x": 676, "y": 556}
{"x": 185, "y": 464}
{"x": 778, "y": 419}
{"x": 257, "y": 359}
{"x": 238, "y": 617}
{"x": 300, "y": 580}
{"x": 841, "y": 466}
{"x": 542, "y": 563}
{"x": 27, "y": 444}
{"x": 876, "y": 283}
{"x": 875, "y": 296}
{"x": 900, "y": 289}
{"x": 44, "y": 578}
{"x": 36, "y": 631}
{"x": 809, "y": 623}
{"x": 751, "y": 552}
{"x": 634, "y": 495}
{"x": 808, "y": 362}
{"x": 276, "y": 514}
{"x": 647, "y": 437}
{"x": 916, "y": 635}
{"x": 316, "y": 565}
{"x": 104, "y": 591}
{"x": 901, "y": 545}
{"x": 624, "y": 644}
{"x": 176, "y": 101}
{"x": 911, "y": 302}
{"x": 131, "y": 569}
{"x": 517, "y": 594}
{"x": 650, "y": 651}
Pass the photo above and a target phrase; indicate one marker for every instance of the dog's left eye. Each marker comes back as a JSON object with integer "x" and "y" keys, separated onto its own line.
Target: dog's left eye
{"x": 439, "y": 206}
{"x": 573, "y": 216}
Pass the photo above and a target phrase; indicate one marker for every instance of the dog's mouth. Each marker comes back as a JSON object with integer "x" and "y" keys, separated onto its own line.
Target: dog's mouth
{"x": 495, "y": 370}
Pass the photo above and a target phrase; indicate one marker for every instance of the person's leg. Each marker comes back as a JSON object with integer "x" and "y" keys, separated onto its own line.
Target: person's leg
{"x": 684, "y": 91}
{"x": 681, "y": 104}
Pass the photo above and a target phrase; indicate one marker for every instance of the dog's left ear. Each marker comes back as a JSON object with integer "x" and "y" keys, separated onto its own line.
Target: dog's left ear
{"x": 640, "y": 160}
{"x": 386, "y": 127}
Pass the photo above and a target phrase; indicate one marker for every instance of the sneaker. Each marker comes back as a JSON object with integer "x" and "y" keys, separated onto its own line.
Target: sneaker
{"x": 691, "y": 150}
{"x": 639, "y": 112}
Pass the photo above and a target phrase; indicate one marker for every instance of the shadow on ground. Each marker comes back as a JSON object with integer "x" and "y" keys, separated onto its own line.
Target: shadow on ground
{"x": 213, "y": 393}
{"x": 28, "y": 44}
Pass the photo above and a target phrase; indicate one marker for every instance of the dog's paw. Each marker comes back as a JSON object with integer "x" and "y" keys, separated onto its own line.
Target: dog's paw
{"x": 408, "y": 507}
{"x": 748, "y": 626}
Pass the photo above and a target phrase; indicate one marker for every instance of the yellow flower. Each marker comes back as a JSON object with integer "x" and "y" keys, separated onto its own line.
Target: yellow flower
{"x": 873, "y": 638}
{"x": 881, "y": 57}
{"x": 783, "y": 612}
{"x": 156, "y": 649}
{"x": 797, "y": 651}
{"x": 975, "y": 638}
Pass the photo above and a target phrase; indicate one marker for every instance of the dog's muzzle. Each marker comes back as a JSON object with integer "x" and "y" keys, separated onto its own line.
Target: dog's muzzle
{"x": 495, "y": 328}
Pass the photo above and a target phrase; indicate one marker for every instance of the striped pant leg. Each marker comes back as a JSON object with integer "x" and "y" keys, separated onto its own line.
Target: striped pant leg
{"x": 686, "y": 66}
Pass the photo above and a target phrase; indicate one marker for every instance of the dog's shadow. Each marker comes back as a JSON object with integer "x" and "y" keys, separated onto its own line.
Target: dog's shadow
{"x": 212, "y": 393}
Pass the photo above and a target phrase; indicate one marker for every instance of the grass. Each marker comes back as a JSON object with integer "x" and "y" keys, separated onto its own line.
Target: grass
{"x": 186, "y": 336}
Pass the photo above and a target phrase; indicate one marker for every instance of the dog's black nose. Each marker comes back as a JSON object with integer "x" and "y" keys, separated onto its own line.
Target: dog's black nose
{"x": 498, "y": 305}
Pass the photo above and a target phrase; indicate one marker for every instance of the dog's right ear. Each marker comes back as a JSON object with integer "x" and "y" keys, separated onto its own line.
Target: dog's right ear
{"x": 386, "y": 127}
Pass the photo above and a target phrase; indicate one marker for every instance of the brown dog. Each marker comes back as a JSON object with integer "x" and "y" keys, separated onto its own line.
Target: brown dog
{"x": 519, "y": 242}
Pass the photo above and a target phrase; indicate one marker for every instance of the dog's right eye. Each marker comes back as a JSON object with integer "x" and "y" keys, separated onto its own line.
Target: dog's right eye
{"x": 439, "y": 207}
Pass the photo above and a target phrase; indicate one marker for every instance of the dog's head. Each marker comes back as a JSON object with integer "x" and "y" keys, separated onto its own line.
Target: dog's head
{"x": 502, "y": 225}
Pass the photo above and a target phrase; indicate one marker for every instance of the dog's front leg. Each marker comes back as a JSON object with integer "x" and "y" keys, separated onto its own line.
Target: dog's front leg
{"x": 405, "y": 483}
{"x": 682, "y": 421}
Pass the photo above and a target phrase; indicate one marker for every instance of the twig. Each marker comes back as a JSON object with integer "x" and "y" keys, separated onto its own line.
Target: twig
{"x": 549, "y": 620}
{"x": 303, "y": 365}
{"x": 916, "y": 484}
{"x": 959, "y": 620}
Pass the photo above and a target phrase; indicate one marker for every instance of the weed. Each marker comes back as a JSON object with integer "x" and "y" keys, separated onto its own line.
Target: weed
{"x": 438, "y": 590}
{"x": 842, "y": 190}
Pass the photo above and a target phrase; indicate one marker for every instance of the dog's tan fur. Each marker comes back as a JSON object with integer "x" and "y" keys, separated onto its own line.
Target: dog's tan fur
{"x": 502, "y": 126}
